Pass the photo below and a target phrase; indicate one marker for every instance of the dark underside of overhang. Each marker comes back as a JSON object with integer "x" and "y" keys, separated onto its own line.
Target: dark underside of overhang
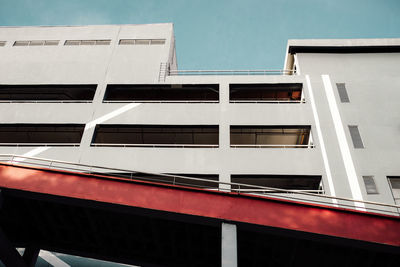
{"x": 152, "y": 238}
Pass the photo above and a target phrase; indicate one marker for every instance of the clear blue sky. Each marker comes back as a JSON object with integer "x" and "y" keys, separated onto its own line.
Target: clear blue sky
{"x": 218, "y": 34}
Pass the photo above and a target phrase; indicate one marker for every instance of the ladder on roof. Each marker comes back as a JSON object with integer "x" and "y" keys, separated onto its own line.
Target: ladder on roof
{"x": 164, "y": 71}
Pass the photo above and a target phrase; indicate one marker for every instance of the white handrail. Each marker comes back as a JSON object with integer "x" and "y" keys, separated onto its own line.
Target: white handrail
{"x": 154, "y": 145}
{"x": 272, "y": 146}
{"x": 39, "y": 144}
{"x": 234, "y": 187}
{"x": 225, "y": 72}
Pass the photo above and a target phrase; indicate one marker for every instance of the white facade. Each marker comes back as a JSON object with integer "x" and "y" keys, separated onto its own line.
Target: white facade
{"x": 333, "y": 157}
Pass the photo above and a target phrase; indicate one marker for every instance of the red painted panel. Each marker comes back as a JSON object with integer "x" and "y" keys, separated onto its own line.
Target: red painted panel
{"x": 227, "y": 206}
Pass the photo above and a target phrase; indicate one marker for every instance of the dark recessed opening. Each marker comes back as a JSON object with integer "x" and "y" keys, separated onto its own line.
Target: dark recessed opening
{"x": 156, "y": 135}
{"x": 285, "y": 92}
{"x": 162, "y": 92}
{"x": 292, "y": 182}
{"x": 270, "y": 136}
{"x": 172, "y": 178}
{"x": 41, "y": 133}
{"x": 395, "y": 185}
{"x": 47, "y": 92}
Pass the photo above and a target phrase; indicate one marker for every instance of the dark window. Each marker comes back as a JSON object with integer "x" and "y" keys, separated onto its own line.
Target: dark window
{"x": 344, "y": 98}
{"x": 395, "y": 185}
{"x": 52, "y": 134}
{"x": 286, "y": 92}
{"x": 156, "y": 135}
{"x": 88, "y": 42}
{"x": 36, "y": 43}
{"x": 270, "y": 136}
{"x": 370, "y": 185}
{"x": 142, "y": 41}
{"x": 172, "y": 178}
{"x": 47, "y": 92}
{"x": 355, "y": 136}
{"x": 162, "y": 92}
{"x": 291, "y": 182}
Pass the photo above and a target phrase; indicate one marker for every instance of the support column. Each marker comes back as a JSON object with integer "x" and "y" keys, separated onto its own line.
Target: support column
{"x": 228, "y": 245}
{"x": 30, "y": 256}
{"x": 224, "y": 132}
{"x": 8, "y": 254}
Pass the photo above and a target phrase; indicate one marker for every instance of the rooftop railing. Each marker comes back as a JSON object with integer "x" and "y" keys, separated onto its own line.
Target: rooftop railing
{"x": 230, "y": 72}
{"x": 310, "y": 196}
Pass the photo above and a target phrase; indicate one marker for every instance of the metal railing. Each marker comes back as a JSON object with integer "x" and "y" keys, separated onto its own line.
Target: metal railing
{"x": 39, "y": 144}
{"x": 161, "y": 101}
{"x": 272, "y": 146}
{"x": 309, "y": 196}
{"x": 155, "y": 145}
{"x": 231, "y": 72}
{"x": 46, "y": 101}
{"x": 268, "y": 101}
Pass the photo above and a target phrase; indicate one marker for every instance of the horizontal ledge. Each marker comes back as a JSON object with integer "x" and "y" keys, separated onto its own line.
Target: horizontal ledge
{"x": 229, "y": 71}
{"x": 45, "y": 101}
{"x": 272, "y": 146}
{"x": 293, "y": 49}
{"x": 160, "y": 101}
{"x": 268, "y": 101}
{"x": 156, "y": 145}
{"x": 39, "y": 144}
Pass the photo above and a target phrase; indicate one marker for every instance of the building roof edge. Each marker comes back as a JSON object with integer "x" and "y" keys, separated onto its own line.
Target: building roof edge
{"x": 384, "y": 45}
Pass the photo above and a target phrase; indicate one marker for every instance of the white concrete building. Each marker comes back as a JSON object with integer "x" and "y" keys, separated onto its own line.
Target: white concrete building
{"x": 113, "y": 96}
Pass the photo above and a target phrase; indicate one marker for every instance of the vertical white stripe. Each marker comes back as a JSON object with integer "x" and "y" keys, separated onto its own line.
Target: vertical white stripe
{"x": 31, "y": 153}
{"x": 296, "y": 63}
{"x": 110, "y": 115}
{"x": 321, "y": 140}
{"x": 343, "y": 144}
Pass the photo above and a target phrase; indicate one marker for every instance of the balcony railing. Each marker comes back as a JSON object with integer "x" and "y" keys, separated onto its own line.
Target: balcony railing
{"x": 39, "y": 144}
{"x": 230, "y": 72}
{"x": 155, "y": 145}
{"x": 273, "y": 146}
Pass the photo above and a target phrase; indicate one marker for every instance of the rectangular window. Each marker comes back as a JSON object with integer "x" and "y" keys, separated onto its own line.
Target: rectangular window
{"x": 156, "y": 135}
{"x": 162, "y": 93}
{"x": 157, "y": 41}
{"x": 141, "y": 41}
{"x": 265, "y": 93}
{"x": 344, "y": 98}
{"x": 270, "y": 136}
{"x": 395, "y": 185}
{"x": 88, "y": 42}
{"x": 21, "y": 43}
{"x": 51, "y": 42}
{"x": 48, "y": 93}
{"x": 355, "y": 136}
{"x": 36, "y": 43}
{"x": 309, "y": 183}
{"x": 370, "y": 185}
{"x": 172, "y": 178}
{"x": 41, "y": 134}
